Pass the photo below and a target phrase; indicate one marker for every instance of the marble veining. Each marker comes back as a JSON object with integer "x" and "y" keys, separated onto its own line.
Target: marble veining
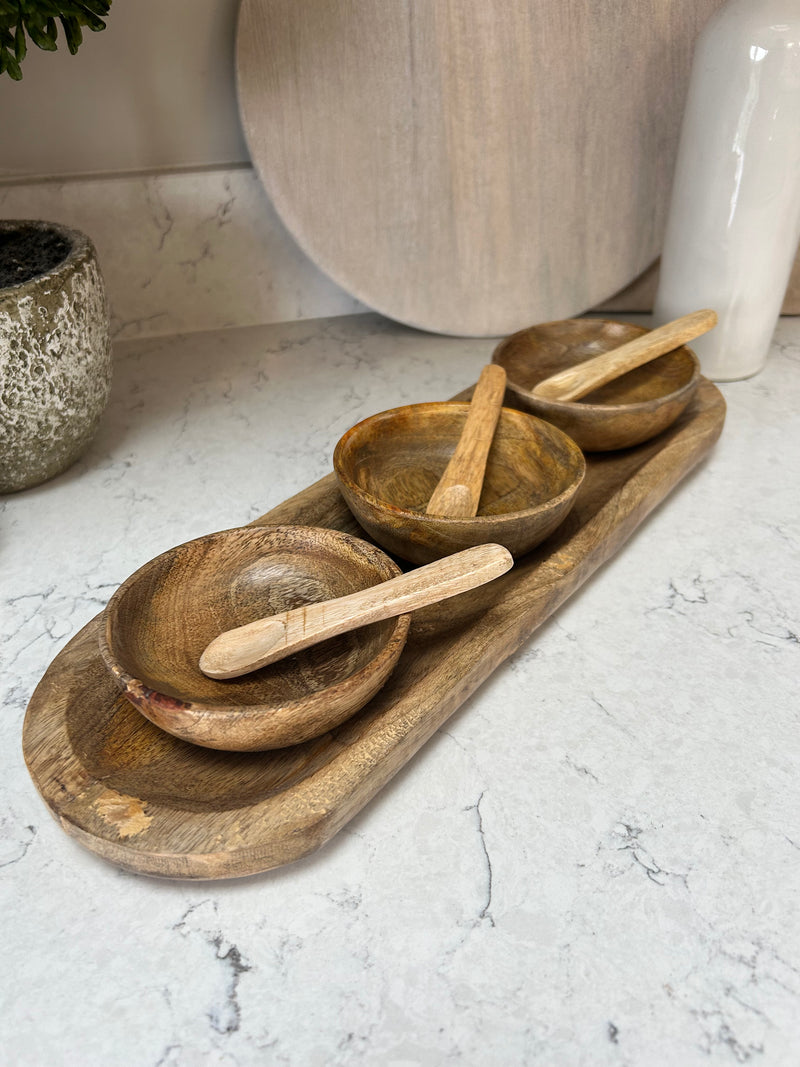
{"x": 595, "y": 862}
{"x": 185, "y": 251}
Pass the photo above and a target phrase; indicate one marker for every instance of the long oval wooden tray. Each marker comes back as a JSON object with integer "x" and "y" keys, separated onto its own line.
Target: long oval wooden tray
{"x": 151, "y": 803}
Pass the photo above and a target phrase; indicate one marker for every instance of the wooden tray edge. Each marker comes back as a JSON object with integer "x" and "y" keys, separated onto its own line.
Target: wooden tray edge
{"x": 319, "y": 813}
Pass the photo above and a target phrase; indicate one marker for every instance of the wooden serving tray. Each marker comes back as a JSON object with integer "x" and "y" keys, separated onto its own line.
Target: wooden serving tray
{"x": 154, "y": 804}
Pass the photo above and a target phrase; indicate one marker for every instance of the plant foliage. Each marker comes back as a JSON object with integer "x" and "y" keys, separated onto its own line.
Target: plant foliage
{"x": 38, "y": 20}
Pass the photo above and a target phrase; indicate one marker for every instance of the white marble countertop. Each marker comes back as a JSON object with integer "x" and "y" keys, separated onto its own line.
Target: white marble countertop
{"x": 596, "y": 862}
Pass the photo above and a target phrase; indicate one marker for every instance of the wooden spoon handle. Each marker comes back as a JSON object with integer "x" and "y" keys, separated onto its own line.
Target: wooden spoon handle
{"x": 459, "y": 490}
{"x": 264, "y": 641}
{"x": 575, "y": 382}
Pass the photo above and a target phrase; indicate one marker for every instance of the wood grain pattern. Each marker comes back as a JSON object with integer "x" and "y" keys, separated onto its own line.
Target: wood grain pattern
{"x": 152, "y": 803}
{"x": 619, "y": 414}
{"x": 388, "y": 464}
{"x": 577, "y": 381}
{"x": 458, "y": 492}
{"x": 162, "y": 617}
{"x": 261, "y": 642}
{"x": 469, "y": 167}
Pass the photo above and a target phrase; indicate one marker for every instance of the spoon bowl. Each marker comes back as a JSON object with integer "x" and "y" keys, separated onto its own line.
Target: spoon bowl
{"x": 619, "y": 414}
{"x": 389, "y": 465}
{"x": 267, "y": 640}
{"x": 160, "y": 620}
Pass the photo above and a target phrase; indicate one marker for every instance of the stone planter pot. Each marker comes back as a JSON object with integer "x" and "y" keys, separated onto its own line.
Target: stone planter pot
{"x": 55, "y": 350}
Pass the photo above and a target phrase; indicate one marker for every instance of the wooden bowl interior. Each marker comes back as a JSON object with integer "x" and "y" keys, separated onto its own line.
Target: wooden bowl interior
{"x": 534, "y": 354}
{"x": 161, "y": 619}
{"x": 398, "y": 457}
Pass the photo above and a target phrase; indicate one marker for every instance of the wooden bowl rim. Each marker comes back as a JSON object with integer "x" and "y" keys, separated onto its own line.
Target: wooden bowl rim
{"x": 575, "y": 406}
{"x": 445, "y": 521}
{"x": 142, "y": 695}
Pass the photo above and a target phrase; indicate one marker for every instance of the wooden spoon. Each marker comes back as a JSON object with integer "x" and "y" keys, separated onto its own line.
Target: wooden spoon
{"x": 577, "y": 381}
{"x": 458, "y": 492}
{"x": 246, "y": 648}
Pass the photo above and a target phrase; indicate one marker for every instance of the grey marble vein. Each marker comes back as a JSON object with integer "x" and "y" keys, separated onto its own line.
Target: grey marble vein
{"x": 596, "y": 863}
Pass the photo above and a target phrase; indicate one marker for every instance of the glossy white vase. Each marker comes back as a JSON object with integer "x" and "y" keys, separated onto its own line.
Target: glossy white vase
{"x": 734, "y": 219}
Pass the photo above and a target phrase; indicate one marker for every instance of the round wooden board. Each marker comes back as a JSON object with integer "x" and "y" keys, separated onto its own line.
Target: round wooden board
{"x": 469, "y": 168}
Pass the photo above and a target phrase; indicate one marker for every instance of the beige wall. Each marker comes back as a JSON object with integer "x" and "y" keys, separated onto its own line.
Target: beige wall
{"x": 136, "y": 140}
{"x": 155, "y": 90}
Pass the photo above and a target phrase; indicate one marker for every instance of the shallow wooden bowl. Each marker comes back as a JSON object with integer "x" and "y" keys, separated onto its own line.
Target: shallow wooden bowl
{"x": 622, "y": 413}
{"x": 160, "y": 620}
{"x": 389, "y": 464}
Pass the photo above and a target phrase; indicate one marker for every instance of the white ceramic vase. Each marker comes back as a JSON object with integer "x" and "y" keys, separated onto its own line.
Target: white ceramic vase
{"x": 734, "y": 219}
{"x": 55, "y": 351}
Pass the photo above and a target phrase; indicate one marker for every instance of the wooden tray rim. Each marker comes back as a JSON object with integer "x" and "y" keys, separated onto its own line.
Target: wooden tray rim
{"x": 359, "y": 768}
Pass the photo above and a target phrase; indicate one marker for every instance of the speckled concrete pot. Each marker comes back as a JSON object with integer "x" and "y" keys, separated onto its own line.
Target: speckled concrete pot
{"x": 55, "y": 350}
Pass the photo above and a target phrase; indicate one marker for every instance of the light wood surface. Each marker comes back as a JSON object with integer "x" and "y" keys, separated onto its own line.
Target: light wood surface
{"x": 458, "y": 492}
{"x": 154, "y": 804}
{"x": 469, "y": 167}
{"x": 389, "y": 464}
{"x": 162, "y": 617}
{"x": 575, "y": 382}
{"x": 265, "y": 641}
{"x": 623, "y": 412}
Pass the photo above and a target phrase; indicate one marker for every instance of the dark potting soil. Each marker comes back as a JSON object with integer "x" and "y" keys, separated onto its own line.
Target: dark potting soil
{"x": 25, "y": 253}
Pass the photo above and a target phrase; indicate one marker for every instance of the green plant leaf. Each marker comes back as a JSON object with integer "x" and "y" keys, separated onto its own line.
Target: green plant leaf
{"x": 8, "y": 64}
{"x": 42, "y": 31}
{"x": 72, "y": 32}
{"x": 90, "y": 15}
{"x": 37, "y": 19}
{"x": 96, "y": 7}
{"x": 20, "y": 45}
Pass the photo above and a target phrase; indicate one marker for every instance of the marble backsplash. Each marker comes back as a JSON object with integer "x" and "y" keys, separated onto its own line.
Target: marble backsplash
{"x": 192, "y": 250}
{"x": 185, "y": 251}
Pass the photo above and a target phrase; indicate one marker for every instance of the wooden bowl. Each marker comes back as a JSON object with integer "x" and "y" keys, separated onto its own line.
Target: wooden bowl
{"x": 624, "y": 412}
{"x": 389, "y": 464}
{"x": 160, "y": 620}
